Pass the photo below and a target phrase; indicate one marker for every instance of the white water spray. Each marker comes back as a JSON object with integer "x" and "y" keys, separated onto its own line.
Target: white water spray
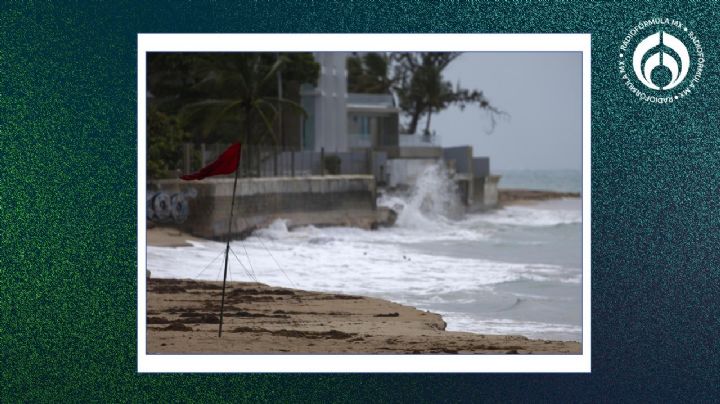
{"x": 433, "y": 200}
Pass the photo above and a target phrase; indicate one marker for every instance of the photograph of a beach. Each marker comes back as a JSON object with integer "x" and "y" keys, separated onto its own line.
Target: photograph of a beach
{"x": 364, "y": 203}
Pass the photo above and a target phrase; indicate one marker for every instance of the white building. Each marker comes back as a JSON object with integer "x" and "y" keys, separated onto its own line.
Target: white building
{"x": 326, "y": 105}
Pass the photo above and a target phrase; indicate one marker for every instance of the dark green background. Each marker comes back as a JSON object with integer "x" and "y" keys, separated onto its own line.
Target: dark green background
{"x": 68, "y": 207}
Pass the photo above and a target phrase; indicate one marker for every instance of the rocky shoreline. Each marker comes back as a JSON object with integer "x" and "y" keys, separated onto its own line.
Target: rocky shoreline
{"x": 524, "y": 196}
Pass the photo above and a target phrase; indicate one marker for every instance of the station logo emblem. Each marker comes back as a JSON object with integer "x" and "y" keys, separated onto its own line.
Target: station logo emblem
{"x": 661, "y": 61}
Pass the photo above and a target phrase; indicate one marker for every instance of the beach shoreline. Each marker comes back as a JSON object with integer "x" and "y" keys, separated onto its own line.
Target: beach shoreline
{"x": 183, "y": 315}
{"x": 169, "y": 236}
{"x": 508, "y": 196}
{"x": 183, "y": 318}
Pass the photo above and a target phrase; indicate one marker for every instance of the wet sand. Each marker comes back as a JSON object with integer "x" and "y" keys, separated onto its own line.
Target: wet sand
{"x": 183, "y": 318}
{"x": 160, "y": 236}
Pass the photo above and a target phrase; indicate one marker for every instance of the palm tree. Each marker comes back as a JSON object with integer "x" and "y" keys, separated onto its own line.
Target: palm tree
{"x": 370, "y": 73}
{"x": 240, "y": 85}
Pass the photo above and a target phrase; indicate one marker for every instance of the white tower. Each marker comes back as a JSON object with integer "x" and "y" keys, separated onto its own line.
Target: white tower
{"x": 326, "y": 126}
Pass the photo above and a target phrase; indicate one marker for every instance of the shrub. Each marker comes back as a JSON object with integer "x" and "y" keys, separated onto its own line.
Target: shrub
{"x": 165, "y": 140}
{"x": 332, "y": 164}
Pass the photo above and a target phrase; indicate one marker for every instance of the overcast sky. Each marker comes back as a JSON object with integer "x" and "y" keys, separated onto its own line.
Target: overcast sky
{"x": 541, "y": 91}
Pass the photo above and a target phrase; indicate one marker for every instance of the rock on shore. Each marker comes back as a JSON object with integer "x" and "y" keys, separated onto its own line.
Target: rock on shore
{"x": 519, "y": 196}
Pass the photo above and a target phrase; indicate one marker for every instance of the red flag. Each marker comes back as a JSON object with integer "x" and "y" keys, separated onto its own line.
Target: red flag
{"x": 227, "y": 163}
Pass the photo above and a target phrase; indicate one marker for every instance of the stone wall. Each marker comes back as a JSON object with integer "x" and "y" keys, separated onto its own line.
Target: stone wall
{"x": 341, "y": 200}
{"x": 485, "y": 193}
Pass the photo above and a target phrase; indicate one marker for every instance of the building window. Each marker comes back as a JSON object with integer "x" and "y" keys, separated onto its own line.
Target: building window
{"x": 360, "y": 125}
{"x": 365, "y": 126}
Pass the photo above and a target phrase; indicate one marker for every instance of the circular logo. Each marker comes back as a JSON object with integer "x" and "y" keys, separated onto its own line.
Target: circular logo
{"x": 661, "y": 61}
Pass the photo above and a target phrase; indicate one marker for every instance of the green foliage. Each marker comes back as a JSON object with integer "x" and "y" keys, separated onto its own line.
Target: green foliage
{"x": 221, "y": 98}
{"x": 300, "y": 67}
{"x": 165, "y": 138}
{"x": 331, "y": 164}
{"x": 226, "y": 97}
{"x": 369, "y": 74}
{"x": 417, "y": 80}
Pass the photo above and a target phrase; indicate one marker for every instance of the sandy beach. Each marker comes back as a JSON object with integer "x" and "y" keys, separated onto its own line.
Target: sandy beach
{"x": 182, "y": 318}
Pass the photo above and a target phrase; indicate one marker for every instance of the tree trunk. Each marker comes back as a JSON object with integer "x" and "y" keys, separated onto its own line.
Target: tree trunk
{"x": 413, "y": 123}
{"x": 427, "y": 124}
{"x": 415, "y": 118}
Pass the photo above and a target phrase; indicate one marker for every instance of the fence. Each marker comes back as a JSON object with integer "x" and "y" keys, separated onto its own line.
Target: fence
{"x": 267, "y": 161}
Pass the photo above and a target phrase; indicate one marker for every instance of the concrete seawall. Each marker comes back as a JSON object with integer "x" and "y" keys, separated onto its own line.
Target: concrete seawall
{"x": 484, "y": 193}
{"x": 337, "y": 200}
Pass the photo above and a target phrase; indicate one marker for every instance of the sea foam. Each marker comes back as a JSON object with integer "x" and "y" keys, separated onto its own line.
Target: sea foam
{"x": 391, "y": 263}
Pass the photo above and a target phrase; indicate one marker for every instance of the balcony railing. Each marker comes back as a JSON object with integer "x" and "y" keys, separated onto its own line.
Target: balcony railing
{"x": 359, "y": 140}
{"x": 265, "y": 161}
{"x": 419, "y": 140}
{"x": 379, "y": 100}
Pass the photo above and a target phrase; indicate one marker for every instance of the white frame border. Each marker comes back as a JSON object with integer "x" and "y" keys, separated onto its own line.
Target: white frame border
{"x": 363, "y": 42}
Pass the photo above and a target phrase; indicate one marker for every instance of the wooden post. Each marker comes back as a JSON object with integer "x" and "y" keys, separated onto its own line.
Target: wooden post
{"x": 322, "y": 161}
{"x": 275, "y": 165}
{"x": 292, "y": 162}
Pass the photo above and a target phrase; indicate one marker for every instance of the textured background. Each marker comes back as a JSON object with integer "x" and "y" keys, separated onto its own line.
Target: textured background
{"x": 68, "y": 215}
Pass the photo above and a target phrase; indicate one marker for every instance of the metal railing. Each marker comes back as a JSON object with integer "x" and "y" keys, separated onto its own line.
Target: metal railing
{"x": 359, "y": 140}
{"x": 381, "y": 100}
{"x": 268, "y": 161}
{"x": 419, "y": 140}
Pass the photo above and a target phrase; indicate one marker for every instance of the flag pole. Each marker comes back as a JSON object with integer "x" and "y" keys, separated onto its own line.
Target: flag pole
{"x": 227, "y": 247}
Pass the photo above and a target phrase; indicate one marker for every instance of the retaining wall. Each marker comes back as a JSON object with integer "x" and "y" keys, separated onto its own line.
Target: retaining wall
{"x": 341, "y": 200}
{"x": 484, "y": 193}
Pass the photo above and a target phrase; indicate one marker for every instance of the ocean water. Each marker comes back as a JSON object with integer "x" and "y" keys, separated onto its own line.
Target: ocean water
{"x": 516, "y": 270}
{"x": 546, "y": 180}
